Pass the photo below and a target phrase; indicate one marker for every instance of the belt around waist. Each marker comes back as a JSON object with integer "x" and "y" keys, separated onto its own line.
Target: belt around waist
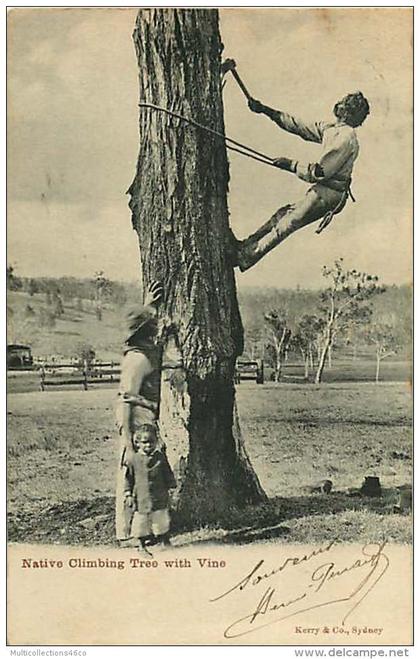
{"x": 336, "y": 185}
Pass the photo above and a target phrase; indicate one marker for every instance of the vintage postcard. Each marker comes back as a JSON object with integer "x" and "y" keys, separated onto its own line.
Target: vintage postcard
{"x": 209, "y": 306}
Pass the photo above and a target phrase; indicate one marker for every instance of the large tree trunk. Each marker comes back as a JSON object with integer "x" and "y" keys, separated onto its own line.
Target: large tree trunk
{"x": 179, "y": 206}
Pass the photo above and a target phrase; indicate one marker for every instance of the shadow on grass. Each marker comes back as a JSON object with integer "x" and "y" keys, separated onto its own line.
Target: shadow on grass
{"x": 269, "y": 521}
{"x": 310, "y": 421}
{"x": 91, "y": 522}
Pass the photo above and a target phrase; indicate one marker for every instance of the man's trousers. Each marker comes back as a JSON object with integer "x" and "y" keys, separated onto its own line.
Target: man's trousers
{"x": 288, "y": 219}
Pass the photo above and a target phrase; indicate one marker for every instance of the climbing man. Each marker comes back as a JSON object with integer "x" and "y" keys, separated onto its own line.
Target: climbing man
{"x": 330, "y": 176}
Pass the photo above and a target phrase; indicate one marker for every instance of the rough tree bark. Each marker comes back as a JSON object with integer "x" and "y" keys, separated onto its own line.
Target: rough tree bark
{"x": 179, "y": 210}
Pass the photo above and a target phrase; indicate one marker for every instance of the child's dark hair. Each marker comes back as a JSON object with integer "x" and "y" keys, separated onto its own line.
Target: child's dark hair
{"x": 148, "y": 427}
{"x": 352, "y": 109}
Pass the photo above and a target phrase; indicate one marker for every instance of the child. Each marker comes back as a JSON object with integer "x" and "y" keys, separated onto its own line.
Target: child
{"x": 139, "y": 393}
{"x": 148, "y": 478}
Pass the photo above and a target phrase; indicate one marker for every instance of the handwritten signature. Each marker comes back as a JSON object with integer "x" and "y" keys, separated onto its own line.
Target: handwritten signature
{"x": 266, "y": 611}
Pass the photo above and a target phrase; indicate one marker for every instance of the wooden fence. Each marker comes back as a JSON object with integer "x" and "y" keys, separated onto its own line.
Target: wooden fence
{"x": 60, "y": 375}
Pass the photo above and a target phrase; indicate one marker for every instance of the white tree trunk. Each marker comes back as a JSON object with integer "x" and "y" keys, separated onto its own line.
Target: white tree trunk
{"x": 324, "y": 353}
{"x": 378, "y": 365}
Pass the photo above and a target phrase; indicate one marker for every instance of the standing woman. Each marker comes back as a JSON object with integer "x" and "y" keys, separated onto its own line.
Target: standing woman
{"x": 138, "y": 396}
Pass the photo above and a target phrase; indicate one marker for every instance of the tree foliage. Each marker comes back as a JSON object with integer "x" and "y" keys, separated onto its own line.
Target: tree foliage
{"x": 304, "y": 339}
{"x": 384, "y": 337}
{"x": 86, "y": 353}
{"x": 344, "y": 301}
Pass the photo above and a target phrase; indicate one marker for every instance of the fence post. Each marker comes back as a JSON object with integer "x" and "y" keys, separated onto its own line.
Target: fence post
{"x": 85, "y": 373}
{"x": 42, "y": 383}
{"x": 260, "y": 371}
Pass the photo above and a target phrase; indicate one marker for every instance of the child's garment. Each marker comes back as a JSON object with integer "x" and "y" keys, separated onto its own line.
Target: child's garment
{"x": 149, "y": 479}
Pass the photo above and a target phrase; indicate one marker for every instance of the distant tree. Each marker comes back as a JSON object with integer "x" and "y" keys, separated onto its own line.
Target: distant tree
{"x": 345, "y": 300}
{"x": 32, "y": 287}
{"x": 9, "y": 276}
{"x": 298, "y": 345}
{"x": 355, "y": 335}
{"x": 384, "y": 338}
{"x": 254, "y": 341}
{"x": 48, "y": 298}
{"x": 13, "y": 282}
{"x": 57, "y": 304}
{"x": 85, "y": 353}
{"x": 395, "y": 308}
{"x": 103, "y": 289}
{"x": 68, "y": 286}
{"x": 278, "y": 336}
{"x": 304, "y": 339}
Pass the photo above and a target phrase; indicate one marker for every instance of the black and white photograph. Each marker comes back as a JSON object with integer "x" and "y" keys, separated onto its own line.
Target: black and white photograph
{"x": 209, "y": 326}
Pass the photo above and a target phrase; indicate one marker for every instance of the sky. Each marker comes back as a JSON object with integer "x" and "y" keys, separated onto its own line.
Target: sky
{"x": 73, "y": 137}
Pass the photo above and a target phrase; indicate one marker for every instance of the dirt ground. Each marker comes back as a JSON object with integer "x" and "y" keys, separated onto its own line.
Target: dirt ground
{"x": 62, "y": 461}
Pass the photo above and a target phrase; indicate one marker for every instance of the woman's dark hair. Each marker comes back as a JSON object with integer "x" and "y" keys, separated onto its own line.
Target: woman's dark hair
{"x": 352, "y": 109}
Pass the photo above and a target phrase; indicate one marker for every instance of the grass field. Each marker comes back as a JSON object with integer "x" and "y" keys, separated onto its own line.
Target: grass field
{"x": 62, "y": 460}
